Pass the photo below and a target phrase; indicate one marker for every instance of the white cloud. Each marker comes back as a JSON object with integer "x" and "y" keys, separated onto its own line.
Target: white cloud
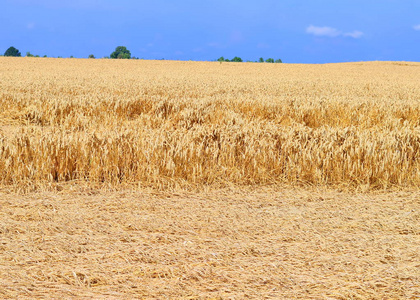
{"x": 354, "y": 34}
{"x": 416, "y": 27}
{"x": 323, "y": 31}
{"x": 332, "y": 32}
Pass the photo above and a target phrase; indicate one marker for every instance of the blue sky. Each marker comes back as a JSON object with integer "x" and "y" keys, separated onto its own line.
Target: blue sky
{"x": 297, "y": 31}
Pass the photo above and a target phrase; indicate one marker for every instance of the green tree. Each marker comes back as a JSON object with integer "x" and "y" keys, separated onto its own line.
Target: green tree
{"x": 278, "y": 61}
{"x": 12, "y": 51}
{"x": 261, "y": 59}
{"x": 236, "y": 59}
{"x": 121, "y": 52}
{"x": 91, "y": 56}
{"x": 221, "y": 58}
{"x": 28, "y": 54}
{"x": 269, "y": 60}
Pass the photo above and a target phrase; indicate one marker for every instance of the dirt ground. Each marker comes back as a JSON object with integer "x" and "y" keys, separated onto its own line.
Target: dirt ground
{"x": 260, "y": 243}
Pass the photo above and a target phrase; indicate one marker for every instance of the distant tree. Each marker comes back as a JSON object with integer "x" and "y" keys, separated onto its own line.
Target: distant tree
{"x": 261, "y": 60}
{"x": 269, "y": 60}
{"x": 236, "y": 59}
{"x": 12, "y": 51}
{"x": 221, "y": 58}
{"x": 227, "y": 60}
{"x": 39, "y": 56}
{"x": 121, "y": 52}
{"x": 71, "y": 56}
{"x": 278, "y": 61}
{"x": 45, "y": 56}
{"x": 91, "y": 56}
{"x": 28, "y": 54}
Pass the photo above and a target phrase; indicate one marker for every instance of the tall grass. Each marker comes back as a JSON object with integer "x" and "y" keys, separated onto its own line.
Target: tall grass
{"x": 174, "y": 123}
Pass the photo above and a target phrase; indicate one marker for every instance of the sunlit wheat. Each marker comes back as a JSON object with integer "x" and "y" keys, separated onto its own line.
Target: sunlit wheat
{"x": 165, "y": 123}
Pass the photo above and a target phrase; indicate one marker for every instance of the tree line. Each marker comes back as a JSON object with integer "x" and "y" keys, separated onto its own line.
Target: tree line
{"x": 238, "y": 59}
{"x": 121, "y": 52}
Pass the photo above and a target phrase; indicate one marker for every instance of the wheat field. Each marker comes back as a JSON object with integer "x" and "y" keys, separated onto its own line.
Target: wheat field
{"x": 131, "y": 179}
{"x": 171, "y": 124}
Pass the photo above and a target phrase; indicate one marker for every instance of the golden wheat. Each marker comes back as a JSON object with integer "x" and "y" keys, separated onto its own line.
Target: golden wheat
{"x": 99, "y": 124}
{"x": 165, "y": 123}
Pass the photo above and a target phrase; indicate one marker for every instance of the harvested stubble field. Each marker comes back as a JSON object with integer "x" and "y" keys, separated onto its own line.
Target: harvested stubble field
{"x": 232, "y": 134}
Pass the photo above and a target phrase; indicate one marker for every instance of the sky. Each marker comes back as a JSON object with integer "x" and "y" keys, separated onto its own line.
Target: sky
{"x": 296, "y": 31}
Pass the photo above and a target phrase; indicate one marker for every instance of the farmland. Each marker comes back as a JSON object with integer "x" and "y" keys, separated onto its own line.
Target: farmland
{"x": 177, "y": 124}
{"x": 124, "y": 178}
